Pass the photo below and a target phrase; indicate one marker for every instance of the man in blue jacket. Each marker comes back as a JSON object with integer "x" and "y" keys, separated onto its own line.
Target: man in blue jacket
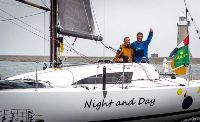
{"x": 141, "y": 47}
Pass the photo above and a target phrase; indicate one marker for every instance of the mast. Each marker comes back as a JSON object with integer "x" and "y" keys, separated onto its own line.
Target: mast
{"x": 53, "y": 34}
{"x": 186, "y": 15}
{"x": 188, "y": 24}
{"x": 53, "y": 28}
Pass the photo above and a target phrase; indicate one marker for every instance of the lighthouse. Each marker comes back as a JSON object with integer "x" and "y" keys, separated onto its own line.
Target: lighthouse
{"x": 183, "y": 25}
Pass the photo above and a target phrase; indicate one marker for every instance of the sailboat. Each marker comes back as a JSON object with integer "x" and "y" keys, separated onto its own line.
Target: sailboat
{"x": 102, "y": 91}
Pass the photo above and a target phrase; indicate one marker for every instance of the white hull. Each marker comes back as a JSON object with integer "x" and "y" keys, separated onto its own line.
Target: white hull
{"x": 139, "y": 100}
{"x": 65, "y": 105}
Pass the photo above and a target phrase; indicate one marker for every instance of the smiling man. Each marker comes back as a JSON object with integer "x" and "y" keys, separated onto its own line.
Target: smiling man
{"x": 141, "y": 47}
{"x": 125, "y": 52}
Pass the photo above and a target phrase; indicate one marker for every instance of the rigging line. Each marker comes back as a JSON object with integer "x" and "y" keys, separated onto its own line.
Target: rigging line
{"x": 195, "y": 25}
{"x": 24, "y": 28}
{"x": 44, "y": 4}
{"x": 24, "y": 22}
{"x": 44, "y": 30}
{"x": 146, "y": 71}
{"x": 83, "y": 56}
{"x": 140, "y": 66}
{"x": 104, "y": 44}
{"x": 77, "y": 52}
{"x": 13, "y": 4}
{"x": 95, "y": 18}
{"x": 74, "y": 41}
{"x": 108, "y": 47}
{"x": 117, "y": 72}
{"x": 132, "y": 66}
{"x": 23, "y": 16}
{"x": 73, "y": 48}
{"x": 114, "y": 84}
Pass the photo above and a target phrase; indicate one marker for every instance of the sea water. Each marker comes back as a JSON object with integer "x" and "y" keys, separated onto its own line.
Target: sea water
{"x": 12, "y": 68}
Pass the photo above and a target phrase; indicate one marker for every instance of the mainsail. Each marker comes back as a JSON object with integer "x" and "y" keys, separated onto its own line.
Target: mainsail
{"x": 75, "y": 19}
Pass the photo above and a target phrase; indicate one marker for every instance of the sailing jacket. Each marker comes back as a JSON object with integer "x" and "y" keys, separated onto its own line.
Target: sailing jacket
{"x": 141, "y": 49}
{"x": 125, "y": 52}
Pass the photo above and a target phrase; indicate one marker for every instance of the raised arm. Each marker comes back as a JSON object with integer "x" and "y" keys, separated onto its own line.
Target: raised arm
{"x": 149, "y": 37}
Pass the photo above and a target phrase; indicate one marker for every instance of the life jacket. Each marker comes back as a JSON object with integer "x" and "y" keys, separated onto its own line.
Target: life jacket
{"x": 125, "y": 52}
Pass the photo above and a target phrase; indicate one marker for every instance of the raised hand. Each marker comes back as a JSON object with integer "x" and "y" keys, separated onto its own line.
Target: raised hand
{"x": 151, "y": 30}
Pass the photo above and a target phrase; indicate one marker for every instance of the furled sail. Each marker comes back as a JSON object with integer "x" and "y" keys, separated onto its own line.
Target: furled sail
{"x": 75, "y": 17}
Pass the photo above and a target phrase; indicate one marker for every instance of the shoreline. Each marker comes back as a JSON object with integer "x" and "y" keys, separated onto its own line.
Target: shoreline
{"x": 26, "y": 58}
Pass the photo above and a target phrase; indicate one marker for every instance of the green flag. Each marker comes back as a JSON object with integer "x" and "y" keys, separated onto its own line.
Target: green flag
{"x": 182, "y": 57}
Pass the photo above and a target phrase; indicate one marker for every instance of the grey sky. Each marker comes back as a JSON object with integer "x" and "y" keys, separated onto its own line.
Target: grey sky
{"x": 116, "y": 19}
